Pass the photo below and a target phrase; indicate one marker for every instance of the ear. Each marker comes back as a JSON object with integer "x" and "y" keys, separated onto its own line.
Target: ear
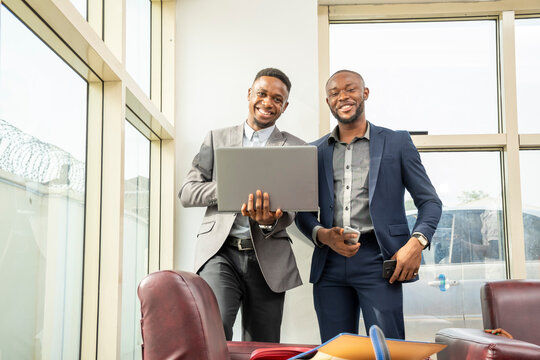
{"x": 249, "y": 93}
{"x": 366, "y": 93}
{"x": 327, "y": 102}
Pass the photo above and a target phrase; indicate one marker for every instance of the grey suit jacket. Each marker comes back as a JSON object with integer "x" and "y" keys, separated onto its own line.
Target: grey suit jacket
{"x": 273, "y": 249}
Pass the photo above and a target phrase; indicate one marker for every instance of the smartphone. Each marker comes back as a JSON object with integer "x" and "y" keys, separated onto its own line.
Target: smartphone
{"x": 388, "y": 268}
{"x": 350, "y": 230}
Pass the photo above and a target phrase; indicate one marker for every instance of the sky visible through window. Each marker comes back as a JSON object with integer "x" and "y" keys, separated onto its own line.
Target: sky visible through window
{"x": 441, "y": 77}
{"x": 29, "y": 94}
{"x": 23, "y": 101}
{"x": 528, "y": 74}
{"x": 438, "y": 77}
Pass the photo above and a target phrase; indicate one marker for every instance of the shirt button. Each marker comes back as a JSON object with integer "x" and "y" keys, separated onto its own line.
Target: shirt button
{"x": 347, "y": 208}
{"x": 348, "y": 147}
{"x": 347, "y": 167}
{"x": 347, "y": 187}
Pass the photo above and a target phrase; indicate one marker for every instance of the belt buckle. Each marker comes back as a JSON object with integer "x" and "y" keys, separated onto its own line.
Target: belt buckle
{"x": 240, "y": 248}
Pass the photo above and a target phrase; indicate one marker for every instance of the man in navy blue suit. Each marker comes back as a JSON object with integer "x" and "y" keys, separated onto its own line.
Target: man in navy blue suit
{"x": 364, "y": 171}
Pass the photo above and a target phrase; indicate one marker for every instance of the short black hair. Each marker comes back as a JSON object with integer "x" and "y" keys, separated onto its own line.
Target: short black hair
{"x": 278, "y": 74}
{"x": 346, "y": 71}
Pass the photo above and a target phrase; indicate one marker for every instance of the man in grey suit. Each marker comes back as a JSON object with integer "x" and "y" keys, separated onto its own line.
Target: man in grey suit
{"x": 247, "y": 260}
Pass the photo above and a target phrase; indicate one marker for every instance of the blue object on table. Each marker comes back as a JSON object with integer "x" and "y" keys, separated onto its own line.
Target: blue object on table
{"x": 380, "y": 348}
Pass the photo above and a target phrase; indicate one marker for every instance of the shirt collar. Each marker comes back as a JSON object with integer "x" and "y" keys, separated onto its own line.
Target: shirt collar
{"x": 264, "y": 134}
{"x": 334, "y": 135}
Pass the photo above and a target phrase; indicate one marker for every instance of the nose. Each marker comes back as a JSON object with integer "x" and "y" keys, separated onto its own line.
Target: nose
{"x": 343, "y": 95}
{"x": 267, "y": 102}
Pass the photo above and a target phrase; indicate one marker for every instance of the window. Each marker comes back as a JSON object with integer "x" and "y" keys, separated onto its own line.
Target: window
{"x": 63, "y": 104}
{"x": 136, "y": 231}
{"x": 530, "y": 178}
{"x": 138, "y": 42}
{"x": 43, "y": 114}
{"x": 471, "y": 226}
{"x": 467, "y": 248}
{"x": 528, "y": 73}
{"x": 439, "y": 77}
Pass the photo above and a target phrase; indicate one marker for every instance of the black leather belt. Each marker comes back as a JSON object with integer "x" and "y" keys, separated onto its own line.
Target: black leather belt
{"x": 240, "y": 244}
{"x": 367, "y": 235}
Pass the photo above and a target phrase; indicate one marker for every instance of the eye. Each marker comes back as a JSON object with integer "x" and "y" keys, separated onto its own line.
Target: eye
{"x": 261, "y": 93}
{"x": 351, "y": 90}
{"x": 333, "y": 94}
{"x": 278, "y": 100}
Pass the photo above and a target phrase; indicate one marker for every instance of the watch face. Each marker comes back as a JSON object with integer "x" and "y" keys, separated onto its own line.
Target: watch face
{"x": 421, "y": 239}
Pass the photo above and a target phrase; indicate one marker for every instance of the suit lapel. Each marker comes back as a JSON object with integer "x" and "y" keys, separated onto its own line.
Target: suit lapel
{"x": 236, "y": 136}
{"x": 376, "y": 147}
{"x": 276, "y": 138}
{"x": 328, "y": 166}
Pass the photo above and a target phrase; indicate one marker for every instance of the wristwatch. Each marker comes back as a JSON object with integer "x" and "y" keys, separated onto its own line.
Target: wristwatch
{"x": 421, "y": 239}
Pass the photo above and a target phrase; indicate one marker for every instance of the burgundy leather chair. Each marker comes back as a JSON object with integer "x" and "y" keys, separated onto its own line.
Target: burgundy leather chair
{"x": 512, "y": 305}
{"x": 180, "y": 320}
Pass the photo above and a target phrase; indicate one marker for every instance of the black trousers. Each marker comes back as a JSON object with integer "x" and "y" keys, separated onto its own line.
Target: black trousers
{"x": 237, "y": 281}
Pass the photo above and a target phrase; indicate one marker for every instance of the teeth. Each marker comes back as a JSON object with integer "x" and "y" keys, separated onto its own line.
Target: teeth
{"x": 264, "y": 112}
{"x": 345, "y": 107}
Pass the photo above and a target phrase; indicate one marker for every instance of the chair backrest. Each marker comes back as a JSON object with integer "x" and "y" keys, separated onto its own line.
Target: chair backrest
{"x": 513, "y": 305}
{"x": 180, "y": 318}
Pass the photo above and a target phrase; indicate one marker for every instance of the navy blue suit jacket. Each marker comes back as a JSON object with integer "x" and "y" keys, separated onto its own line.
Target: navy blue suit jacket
{"x": 395, "y": 165}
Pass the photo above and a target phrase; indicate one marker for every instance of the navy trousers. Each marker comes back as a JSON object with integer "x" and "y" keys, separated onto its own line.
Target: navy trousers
{"x": 350, "y": 286}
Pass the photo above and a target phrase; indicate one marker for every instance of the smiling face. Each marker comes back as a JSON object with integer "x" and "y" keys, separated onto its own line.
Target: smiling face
{"x": 345, "y": 96}
{"x": 267, "y": 99}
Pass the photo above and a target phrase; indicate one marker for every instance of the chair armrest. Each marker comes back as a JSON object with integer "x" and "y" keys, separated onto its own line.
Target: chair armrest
{"x": 241, "y": 350}
{"x": 476, "y": 344}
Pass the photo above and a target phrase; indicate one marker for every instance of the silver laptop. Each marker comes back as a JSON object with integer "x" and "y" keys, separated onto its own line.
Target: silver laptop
{"x": 287, "y": 173}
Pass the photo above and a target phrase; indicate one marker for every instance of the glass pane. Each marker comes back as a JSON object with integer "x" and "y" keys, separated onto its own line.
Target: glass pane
{"x": 466, "y": 250}
{"x": 528, "y": 74}
{"x": 80, "y": 5}
{"x": 530, "y": 193}
{"x": 136, "y": 226}
{"x": 438, "y": 77}
{"x": 138, "y": 42}
{"x": 42, "y": 187}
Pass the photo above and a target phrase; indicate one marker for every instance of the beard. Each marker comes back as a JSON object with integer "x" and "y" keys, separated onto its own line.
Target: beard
{"x": 359, "y": 111}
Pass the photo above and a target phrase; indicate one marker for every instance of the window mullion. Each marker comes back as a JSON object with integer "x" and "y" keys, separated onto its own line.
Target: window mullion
{"x": 511, "y": 178}
{"x": 92, "y": 221}
{"x": 112, "y": 195}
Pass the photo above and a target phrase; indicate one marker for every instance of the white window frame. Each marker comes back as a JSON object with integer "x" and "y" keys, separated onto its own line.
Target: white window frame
{"x": 508, "y": 141}
{"x": 110, "y": 89}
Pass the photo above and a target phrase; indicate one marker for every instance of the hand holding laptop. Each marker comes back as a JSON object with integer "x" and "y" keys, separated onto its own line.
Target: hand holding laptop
{"x": 258, "y": 209}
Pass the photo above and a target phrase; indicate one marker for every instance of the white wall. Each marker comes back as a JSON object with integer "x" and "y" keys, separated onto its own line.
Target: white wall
{"x": 220, "y": 47}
